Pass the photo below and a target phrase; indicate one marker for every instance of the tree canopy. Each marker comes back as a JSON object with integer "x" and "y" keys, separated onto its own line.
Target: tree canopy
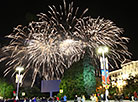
{"x": 6, "y": 89}
{"x": 79, "y": 80}
{"x": 131, "y": 86}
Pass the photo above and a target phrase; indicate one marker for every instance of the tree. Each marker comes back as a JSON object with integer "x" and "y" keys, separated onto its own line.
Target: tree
{"x": 72, "y": 82}
{"x": 6, "y": 89}
{"x": 79, "y": 79}
{"x": 31, "y": 92}
{"x": 131, "y": 86}
{"x": 113, "y": 90}
{"x": 89, "y": 75}
{"x": 99, "y": 87}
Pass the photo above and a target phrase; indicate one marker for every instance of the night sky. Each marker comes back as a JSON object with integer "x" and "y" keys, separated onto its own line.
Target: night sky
{"x": 123, "y": 14}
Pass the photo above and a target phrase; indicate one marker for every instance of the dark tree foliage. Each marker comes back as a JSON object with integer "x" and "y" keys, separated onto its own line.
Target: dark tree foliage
{"x": 89, "y": 75}
{"x": 31, "y": 92}
{"x": 72, "y": 83}
{"x": 113, "y": 90}
{"x": 79, "y": 79}
{"x": 6, "y": 89}
{"x": 132, "y": 85}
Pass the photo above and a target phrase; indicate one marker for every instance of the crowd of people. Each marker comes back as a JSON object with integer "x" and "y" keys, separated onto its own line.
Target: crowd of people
{"x": 93, "y": 98}
{"x": 133, "y": 97}
{"x": 36, "y": 99}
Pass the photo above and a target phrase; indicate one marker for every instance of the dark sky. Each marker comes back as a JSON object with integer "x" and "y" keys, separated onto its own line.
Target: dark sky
{"x": 123, "y": 14}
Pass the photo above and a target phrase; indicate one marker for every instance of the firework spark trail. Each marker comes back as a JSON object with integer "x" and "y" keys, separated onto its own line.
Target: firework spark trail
{"x": 57, "y": 40}
{"x": 98, "y": 32}
{"x": 35, "y": 47}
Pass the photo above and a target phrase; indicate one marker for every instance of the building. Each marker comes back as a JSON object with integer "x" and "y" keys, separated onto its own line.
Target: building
{"x": 118, "y": 76}
{"x": 130, "y": 68}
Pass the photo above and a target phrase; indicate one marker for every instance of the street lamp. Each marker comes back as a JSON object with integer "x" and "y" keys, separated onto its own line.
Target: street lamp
{"x": 103, "y": 49}
{"x": 104, "y": 65}
{"x": 18, "y": 79}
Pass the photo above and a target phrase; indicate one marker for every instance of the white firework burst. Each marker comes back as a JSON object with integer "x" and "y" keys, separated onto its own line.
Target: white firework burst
{"x": 52, "y": 44}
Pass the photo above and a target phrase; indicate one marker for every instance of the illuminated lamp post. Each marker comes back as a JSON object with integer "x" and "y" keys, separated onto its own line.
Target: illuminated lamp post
{"x": 104, "y": 65}
{"x": 18, "y": 79}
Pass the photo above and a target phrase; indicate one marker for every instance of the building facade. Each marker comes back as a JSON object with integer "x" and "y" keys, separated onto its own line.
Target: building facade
{"x": 117, "y": 77}
{"x": 130, "y": 68}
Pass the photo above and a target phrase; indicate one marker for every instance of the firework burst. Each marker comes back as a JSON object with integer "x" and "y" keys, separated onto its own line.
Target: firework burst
{"x": 100, "y": 32}
{"x": 35, "y": 47}
{"x": 52, "y": 44}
